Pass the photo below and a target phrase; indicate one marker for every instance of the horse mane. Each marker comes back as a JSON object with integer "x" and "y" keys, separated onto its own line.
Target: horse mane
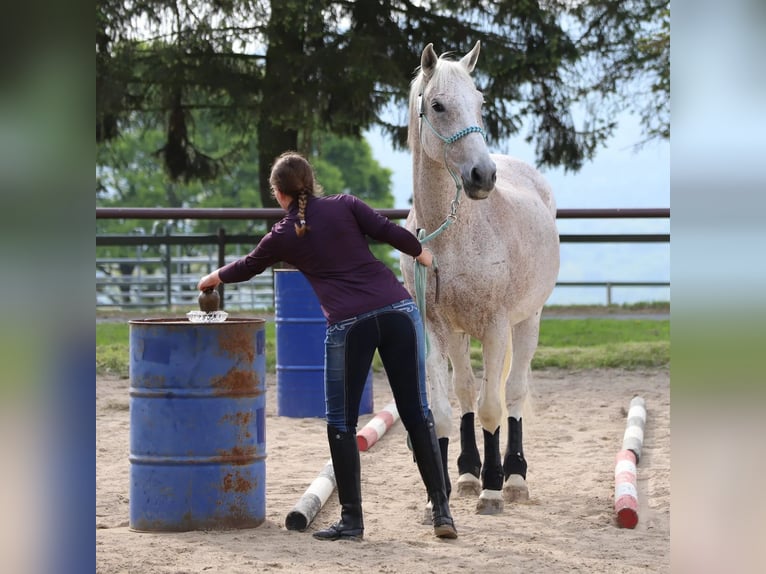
{"x": 445, "y": 71}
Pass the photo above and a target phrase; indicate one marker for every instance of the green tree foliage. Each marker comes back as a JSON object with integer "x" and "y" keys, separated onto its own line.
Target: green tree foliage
{"x": 360, "y": 174}
{"x": 285, "y": 71}
{"x": 633, "y": 38}
{"x": 129, "y": 174}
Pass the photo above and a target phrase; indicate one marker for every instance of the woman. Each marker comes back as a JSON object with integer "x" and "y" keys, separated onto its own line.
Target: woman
{"x": 366, "y": 308}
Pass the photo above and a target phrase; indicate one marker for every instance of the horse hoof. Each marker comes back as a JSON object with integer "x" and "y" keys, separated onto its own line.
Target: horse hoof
{"x": 515, "y": 489}
{"x": 490, "y": 502}
{"x": 468, "y": 485}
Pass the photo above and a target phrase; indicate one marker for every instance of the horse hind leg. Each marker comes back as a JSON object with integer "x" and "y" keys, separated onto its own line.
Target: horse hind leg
{"x": 469, "y": 461}
{"x": 438, "y": 397}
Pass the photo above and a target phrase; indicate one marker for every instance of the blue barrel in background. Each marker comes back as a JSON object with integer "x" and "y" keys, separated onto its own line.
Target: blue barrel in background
{"x": 197, "y": 424}
{"x": 300, "y": 333}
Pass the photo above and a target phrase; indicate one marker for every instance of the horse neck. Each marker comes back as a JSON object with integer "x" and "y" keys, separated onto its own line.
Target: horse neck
{"x": 433, "y": 191}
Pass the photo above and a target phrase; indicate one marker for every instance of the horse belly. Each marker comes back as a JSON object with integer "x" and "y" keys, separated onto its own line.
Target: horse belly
{"x": 512, "y": 283}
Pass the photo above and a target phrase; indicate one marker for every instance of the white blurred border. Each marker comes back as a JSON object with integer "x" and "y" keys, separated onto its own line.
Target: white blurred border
{"x": 718, "y": 276}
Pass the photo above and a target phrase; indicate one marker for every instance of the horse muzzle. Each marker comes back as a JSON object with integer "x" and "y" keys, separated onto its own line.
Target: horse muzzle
{"x": 479, "y": 182}
{"x": 478, "y": 193}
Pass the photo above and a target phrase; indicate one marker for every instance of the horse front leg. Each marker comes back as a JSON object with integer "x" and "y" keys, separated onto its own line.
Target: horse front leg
{"x": 497, "y": 349}
{"x": 464, "y": 383}
{"x": 525, "y": 336}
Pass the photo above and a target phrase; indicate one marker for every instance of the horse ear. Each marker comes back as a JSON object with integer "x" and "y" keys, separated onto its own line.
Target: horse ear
{"x": 469, "y": 60}
{"x": 428, "y": 60}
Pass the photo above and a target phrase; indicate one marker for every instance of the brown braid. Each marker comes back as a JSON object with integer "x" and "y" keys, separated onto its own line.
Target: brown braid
{"x": 301, "y": 228}
{"x": 293, "y": 176}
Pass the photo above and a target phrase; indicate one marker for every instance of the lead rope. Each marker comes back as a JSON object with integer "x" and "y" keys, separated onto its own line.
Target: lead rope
{"x": 421, "y": 273}
{"x": 421, "y": 280}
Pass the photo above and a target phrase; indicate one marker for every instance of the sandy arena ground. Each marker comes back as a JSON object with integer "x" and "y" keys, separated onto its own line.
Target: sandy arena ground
{"x": 572, "y": 434}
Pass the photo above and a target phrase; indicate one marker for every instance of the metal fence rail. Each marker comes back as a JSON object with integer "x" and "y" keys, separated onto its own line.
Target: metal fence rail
{"x": 610, "y": 285}
{"x": 169, "y": 280}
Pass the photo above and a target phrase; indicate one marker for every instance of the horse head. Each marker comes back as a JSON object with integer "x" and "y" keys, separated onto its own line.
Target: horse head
{"x": 447, "y": 105}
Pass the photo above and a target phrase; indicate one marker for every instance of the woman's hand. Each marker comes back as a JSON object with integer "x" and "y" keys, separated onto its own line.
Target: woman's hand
{"x": 209, "y": 280}
{"x": 425, "y": 258}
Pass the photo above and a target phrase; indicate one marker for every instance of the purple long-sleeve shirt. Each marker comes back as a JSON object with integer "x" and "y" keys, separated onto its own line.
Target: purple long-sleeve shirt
{"x": 333, "y": 255}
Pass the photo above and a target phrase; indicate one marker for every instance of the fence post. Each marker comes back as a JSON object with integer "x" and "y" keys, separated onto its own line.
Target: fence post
{"x": 168, "y": 268}
{"x": 127, "y": 295}
{"x": 221, "y": 259}
{"x": 608, "y": 294}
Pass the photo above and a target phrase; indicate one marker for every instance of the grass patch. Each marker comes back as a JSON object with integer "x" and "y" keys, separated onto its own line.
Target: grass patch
{"x": 597, "y": 332}
{"x": 112, "y": 359}
{"x": 112, "y": 333}
{"x": 580, "y": 344}
{"x": 627, "y": 355}
{"x": 597, "y": 343}
{"x": 113, "y": 348}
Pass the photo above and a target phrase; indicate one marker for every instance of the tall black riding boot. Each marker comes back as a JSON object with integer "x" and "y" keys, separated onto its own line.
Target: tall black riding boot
{"x": 345, "y": 462}
{"x": 429, "y": 461}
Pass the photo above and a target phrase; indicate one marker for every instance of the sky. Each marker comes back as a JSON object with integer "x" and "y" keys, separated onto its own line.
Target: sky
{"x": 620, "y": 176}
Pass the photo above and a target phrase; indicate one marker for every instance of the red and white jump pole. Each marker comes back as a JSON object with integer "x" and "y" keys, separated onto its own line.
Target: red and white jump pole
{"x": 377, "y": 427}
{"x": 312, "y": 501}
{"x": 625, "y": 492}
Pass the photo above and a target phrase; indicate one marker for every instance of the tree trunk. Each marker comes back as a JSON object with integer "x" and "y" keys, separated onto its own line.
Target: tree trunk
{"x": 282, "y": 84}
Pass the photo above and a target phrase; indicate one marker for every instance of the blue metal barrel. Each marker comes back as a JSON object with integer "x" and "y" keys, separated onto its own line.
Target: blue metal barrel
{"x": 197, "y": 424}
{"x": 300, "y": 333}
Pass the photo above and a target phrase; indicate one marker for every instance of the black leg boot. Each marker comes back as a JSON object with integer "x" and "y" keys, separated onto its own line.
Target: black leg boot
{"x": 429, "y": 461}
{"x": 444, "y": 451}
{"x": 345, "y": 461}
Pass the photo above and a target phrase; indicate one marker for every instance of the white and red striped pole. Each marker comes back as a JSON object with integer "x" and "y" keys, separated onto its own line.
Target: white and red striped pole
{"x": 625, "y": 491}
{"x": 370, "y": 433}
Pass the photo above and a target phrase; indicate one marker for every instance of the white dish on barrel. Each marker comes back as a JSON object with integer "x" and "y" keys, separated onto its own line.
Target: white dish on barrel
{"x": 202, "y": 317}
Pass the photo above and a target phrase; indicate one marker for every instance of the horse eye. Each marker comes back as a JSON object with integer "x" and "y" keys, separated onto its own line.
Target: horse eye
{"x": 437, "y": 107}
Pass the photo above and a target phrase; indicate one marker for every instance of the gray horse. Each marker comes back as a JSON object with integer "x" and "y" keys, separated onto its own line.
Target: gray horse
{"x": 497, "y": 259}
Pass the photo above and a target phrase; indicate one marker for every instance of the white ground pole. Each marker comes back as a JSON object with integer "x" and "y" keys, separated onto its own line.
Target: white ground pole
{"x": 312, "y": 500}
{"x": 633, "y": 439}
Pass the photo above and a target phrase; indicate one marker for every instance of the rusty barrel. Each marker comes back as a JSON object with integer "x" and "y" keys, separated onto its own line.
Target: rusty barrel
{"x": 197, "y": 424}
{"x": 300, "y": 333}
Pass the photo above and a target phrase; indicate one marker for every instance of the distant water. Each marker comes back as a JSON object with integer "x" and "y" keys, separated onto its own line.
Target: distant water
{"x": 621, "y": 262}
